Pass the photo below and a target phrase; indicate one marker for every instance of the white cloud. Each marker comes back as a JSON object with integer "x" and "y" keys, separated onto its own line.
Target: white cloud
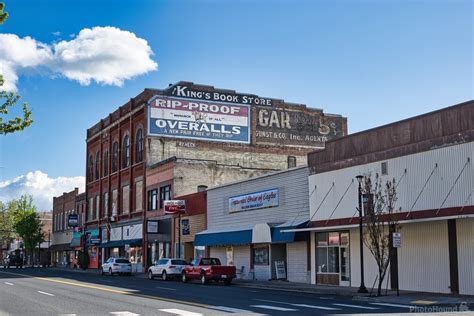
{"x": 106, "y": 55}
{"x": 39, "y": 185}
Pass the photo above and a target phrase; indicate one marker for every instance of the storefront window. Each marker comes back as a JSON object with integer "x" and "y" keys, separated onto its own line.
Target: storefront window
{"x": 328, "y": 247}
{"x": 321, "y": 260}
{"x": 322, "y": 239}
{"x": 134, "y": 254}
{"x": 260, "y": 255}
{"x": 334, "y": 239}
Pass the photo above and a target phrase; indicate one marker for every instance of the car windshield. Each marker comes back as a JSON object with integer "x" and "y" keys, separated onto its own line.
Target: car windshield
{"x": 210, "y": 262}
{"x": 122, "y": 261}
{"x": 178, "y": 262}
{"x": 162, "y": 261}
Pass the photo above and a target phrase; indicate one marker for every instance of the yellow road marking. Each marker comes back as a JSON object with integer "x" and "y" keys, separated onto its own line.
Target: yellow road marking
{"x": 423, "y": 302}
{"x": 170, "y": 300}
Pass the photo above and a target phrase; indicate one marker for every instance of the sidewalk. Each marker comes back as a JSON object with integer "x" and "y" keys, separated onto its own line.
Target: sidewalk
{"x": 405, "y": 298}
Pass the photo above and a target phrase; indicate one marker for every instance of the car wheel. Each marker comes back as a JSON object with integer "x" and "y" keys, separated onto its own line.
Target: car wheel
{"x": 110, "y": 272}
{"x": 102, "y": 271}
{"x": 184, "y": 278}
{"x": 203, "y": 279}
{"x": 150, "y": 275}
{"x": 227, "y": 281}
{"x": 164, "y": 276}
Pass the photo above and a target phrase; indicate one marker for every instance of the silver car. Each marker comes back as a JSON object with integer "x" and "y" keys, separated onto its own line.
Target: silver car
{"x": 117, "y": 265}
{"x": 166, "y": 268}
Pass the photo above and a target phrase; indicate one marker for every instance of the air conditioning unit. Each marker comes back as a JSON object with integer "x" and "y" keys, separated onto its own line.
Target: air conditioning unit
{"x": 112, "y": 218}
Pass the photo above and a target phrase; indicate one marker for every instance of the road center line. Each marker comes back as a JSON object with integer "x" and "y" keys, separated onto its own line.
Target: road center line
{"x": 165, "y": 288}
{"x": 8, "y": 283}
{"x": 46, "y": 293}
{"x": 355, "y": 306}
{"x": 317, "y": 307}
{"x": 179, "y": 312}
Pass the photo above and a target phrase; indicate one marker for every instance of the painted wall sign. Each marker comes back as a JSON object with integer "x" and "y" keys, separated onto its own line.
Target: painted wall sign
{"x": 298, "y": 128}
{"x": 256, "y": 200}
{"x": 205, "y": 120}
{"x": 193, "y": 93}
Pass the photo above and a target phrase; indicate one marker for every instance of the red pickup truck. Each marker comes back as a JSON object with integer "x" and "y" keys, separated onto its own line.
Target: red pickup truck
{"x": 208, "y": 269}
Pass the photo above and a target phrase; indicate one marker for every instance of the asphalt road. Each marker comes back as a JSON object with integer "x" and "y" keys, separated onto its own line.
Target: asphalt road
{"x": 43, "y": 291}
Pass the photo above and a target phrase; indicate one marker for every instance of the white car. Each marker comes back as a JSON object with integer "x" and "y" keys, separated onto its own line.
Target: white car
{"x": 166, "y": 268}
{"x": 117, "y": 265}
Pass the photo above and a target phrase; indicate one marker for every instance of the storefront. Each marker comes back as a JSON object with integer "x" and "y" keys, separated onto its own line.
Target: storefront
{"x": 92, "y": 243}
{"x": 158, "y": 238}
{"x": 247, "y": 223}
{"x": 124, "y": 241}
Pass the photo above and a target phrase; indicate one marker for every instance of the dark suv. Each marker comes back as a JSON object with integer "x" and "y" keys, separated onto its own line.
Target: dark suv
{"x": 13, "y": 260}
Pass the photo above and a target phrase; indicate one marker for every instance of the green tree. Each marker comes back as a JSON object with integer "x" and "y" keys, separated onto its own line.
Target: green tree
{"x": 9, "y": 100}
{"x": 27, "y": 224}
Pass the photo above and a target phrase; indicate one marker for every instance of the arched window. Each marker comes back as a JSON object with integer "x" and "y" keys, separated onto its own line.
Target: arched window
{"x": 91, "y": 168}
{"x": 97, "y": 165}
{"x": 139, "y": 145}
{"x": 115, "y": 156}
{"x": 126, "y": 151}
{"x": 106, "y": 163}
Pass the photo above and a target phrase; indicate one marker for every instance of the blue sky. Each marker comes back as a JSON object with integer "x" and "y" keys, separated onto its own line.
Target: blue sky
{"x": 374, "y": 62}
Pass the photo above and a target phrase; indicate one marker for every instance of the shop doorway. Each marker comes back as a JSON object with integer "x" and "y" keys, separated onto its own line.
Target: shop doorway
{"x": 332, "y": 258}
{"x": 344, "y": 264}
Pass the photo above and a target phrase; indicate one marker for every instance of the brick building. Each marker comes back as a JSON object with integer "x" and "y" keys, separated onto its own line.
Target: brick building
{"x": 165, "y": 143}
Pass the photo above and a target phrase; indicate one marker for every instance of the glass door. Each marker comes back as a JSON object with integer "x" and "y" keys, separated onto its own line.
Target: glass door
{"x": 344, "y": 274}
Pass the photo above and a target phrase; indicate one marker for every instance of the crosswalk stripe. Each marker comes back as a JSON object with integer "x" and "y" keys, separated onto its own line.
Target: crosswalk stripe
{"x": 45, "y": 293}
{"x": 180, "y": 312}
{"x": 228, "y": 309}
{"x": 124, "y": 313}
{"x": 356, "y": 306}
{"x": 276, "y": 308}
{"x": 317, "y": 307}
{"x": 8, "y": 283}
{"x": 392, "y": 305}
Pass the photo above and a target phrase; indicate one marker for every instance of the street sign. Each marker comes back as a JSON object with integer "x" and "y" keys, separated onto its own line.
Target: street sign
{"x": 73, "y": 220}
{"x": 397, "y": 240}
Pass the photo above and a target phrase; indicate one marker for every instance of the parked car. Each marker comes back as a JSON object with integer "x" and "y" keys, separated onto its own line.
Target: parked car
{"x": 117, "y": 265}
{"x": 13, "y": 260}
{"x": 208, "y": 269}
{"x": 166, "y": 268}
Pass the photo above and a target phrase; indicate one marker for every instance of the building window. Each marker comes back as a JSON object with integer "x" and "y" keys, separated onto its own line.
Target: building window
{"x": 126, "y": 152}
{"x": 125, "y": 199}
{"x": 115, "y": 156}
{"x": 291, "y": 162}
{"x": 328, "y": 247}
{"x": 260, "y": 255}
{"x": 139, "y": 145}
{"x": 165, "y": 194}
{"x": 91, "y": 168}
{"x": 152, "y": 199}
{"x": 114, "y": 202}
{"x": 384, "y": 168}
{"x": 97, "y": 206}
{"x": 97, "y": 165}
{"x": 90, "y": 208}
{"x": 106, "y": 204}
{"x": 106, "y": 163}
{"x": 138, "y": 196}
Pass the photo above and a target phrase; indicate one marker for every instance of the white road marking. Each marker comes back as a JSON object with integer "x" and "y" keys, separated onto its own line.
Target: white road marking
{"x": 45, "y": 293}
{"x": 165, "y": 288}
{"x": 275, "y": 308}
{"x": 270, "y": 301}
{"x": 125, "y": 313}
{"x": 392, "y": 305}
{"x": 8, "y": 283}
{"x": 228, "y": 309}
{"x": 317, "y": 307}
{"x": 355, "y": 306}
{"x": 179, "y": 312}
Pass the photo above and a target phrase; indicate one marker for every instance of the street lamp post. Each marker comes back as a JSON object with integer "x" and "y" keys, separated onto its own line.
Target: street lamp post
{"x": 362, "y": 288}
{"x": 49, "y": 247}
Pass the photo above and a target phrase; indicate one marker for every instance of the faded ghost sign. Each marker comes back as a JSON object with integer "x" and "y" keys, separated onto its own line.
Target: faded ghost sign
{"x": 298, "y": 128}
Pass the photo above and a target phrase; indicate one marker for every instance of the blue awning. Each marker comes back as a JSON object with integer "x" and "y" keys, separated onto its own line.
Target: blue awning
{"x": 223, "y": 238}
{"x": 284, "y": 237}
{"x": 75, "y": 242}
{"x": 121, "y": 243}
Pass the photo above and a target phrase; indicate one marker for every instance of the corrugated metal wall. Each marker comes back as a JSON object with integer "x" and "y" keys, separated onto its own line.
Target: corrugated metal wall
{"x": 451, "y": 160}
{"x": 465, "y": 237}
{"x": 423, "y": 259}
{"x": 297, "y": 262}
{"x": 242, "y": 259}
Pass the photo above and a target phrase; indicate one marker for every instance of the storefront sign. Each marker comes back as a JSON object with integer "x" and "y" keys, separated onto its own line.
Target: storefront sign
{"x": 397, "y": 240}
{"x": 73, "y": 220}
{"x": 175, "y": 206}
{"x": 185, "y": 227}
{"x": 280, "y": 270}
{"x": 253, "y": 201}
{"x": 205, "y": 120}
{"x": 193, "y": 93}
{"x": 152, "y": 227}
{"x": 104, "y": 235}
{"x": 297, "y": 128}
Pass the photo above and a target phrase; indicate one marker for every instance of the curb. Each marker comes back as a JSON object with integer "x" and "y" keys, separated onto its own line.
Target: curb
{"x": 318, "y": 292}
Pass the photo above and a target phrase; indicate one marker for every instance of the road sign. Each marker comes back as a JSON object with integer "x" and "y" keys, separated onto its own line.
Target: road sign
{"x": 397, "y": 240}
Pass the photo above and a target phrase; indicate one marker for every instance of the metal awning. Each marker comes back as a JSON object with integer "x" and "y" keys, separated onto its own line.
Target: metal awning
{"x": 280, "y": 233}
{"x": 223, "y": 238}
{"x": 122, "y": 243}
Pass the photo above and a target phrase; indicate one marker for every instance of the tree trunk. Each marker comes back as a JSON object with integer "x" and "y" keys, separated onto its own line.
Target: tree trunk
{"x": 379, "y": 288}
